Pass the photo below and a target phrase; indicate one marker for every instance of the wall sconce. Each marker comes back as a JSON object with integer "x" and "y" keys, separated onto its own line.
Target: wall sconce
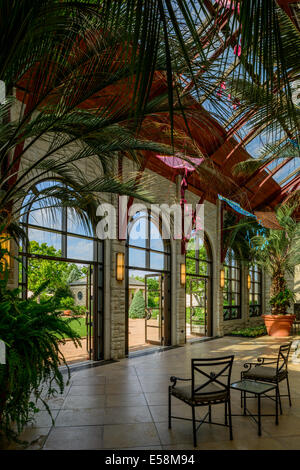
{"x": 249, "y": 282}
{"x": 120, "y": 267}
{"x": 5, "y": 245}
{"x": 222, "y": 278}
{"x": 182, "y": 274}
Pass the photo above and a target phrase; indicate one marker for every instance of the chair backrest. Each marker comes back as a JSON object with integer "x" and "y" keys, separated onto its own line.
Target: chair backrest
{"x": 215, "y": 371}
{"x": 283, "y": 356}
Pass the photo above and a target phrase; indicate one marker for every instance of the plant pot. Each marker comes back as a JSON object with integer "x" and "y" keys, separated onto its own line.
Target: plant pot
{"x": 67, "y": 312}
{"x": 279, "y": 325}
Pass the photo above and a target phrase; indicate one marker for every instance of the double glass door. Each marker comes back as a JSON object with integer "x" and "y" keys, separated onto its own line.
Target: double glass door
{"x": 75, "y": 287}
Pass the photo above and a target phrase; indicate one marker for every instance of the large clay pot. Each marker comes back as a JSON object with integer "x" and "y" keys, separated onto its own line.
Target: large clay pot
{"x": 279, "y": 325}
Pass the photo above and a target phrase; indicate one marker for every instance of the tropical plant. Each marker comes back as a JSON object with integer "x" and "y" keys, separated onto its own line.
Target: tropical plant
{"x": 273, "y": 114}
{"x": 32, "y": 333}
{"x": 54, "y": 124}
{"x": 237, "y": 234}
{"x": 137, "y": 306}
{"x": 276, "y": 251}
{"x": 282, "y": 300}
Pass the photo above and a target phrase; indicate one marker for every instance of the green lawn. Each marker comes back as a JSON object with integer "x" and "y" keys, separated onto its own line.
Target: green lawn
{"x": 78, "y": 324}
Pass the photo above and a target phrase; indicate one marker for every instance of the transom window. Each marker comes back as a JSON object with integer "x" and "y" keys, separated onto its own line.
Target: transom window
{"x": 147, "y": 249}
{"x": 198, "y": 257}
{"x": 232, "y": 287}
{"x": 255, "y": 293}
{"x": 58, "y": 227}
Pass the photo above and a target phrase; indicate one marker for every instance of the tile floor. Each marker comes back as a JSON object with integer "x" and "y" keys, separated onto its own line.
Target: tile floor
{"x": 123, "y": 405}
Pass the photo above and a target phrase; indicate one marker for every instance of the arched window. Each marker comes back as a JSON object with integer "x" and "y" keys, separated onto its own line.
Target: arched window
{"x": 232, "y": 287}
{"x": 255, "y": 292}
{"x": 61, "y": 248}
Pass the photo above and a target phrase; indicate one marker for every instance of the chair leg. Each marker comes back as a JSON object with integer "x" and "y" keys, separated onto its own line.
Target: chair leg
{"x": 230, "y": 420}
{"x": 169, "y": 408}
{"x": 279, "y": 398}
{"x": 226, "y": 413}
{"x": 194, "y": 427}
{"x": 209, "y": 413}
{"x": 241, "y": 392}
{"x": 288, "y": 387}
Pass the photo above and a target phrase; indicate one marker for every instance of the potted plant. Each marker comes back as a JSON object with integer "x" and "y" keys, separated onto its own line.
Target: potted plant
{"x": 279, "y": 322}
{"x": 278, "y": 252}
{"x": 67, "y": 304}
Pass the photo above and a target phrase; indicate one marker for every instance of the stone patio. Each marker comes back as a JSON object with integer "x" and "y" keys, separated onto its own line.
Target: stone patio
{"x": 123, "y": 405}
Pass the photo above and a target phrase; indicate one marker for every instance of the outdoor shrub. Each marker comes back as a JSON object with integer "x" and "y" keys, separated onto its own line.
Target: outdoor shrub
{"x": 67, "y": 303}
{"x": 137, "y": 307}
{"x": 251, "y": 332}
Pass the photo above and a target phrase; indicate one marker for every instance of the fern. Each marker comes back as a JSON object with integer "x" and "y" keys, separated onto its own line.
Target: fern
{"x": 33, "y": 334}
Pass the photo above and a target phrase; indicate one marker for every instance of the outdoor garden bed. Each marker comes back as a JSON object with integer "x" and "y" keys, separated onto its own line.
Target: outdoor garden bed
{"x": 251, "y": 332}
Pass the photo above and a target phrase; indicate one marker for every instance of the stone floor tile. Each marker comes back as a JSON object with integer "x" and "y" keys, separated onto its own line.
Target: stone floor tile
{"x": 127, "y": 415}
{"x": 82, "y": 402}
{"x": 128, "y": 399}
{"x": 75, "y": 438}
{"x": 130, "y": 435}
{"x": 83, "y": 417}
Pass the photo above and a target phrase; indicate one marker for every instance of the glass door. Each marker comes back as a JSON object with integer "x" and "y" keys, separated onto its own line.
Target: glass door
{"x": 154, "y": 308}
{"x": 197, "y": 306}
{"x": 89, "y": 312}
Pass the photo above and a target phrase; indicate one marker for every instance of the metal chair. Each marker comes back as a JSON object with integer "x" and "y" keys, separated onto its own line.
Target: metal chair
{"x": 273, "y": 370}
{"x": 207, "y": 387}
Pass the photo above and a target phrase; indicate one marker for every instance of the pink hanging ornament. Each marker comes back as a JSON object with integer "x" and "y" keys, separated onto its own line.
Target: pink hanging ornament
{"x": 237, "y": 50}
{"x": 228, "y": 4}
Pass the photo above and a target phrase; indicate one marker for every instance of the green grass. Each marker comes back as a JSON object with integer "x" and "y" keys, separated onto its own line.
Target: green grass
{"x": 78, "y": 324}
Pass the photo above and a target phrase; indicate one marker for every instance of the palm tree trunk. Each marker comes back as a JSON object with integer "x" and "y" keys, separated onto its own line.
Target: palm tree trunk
{"x": 278, "y": 284}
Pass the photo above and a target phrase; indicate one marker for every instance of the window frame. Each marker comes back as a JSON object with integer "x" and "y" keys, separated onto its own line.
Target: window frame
{"x": 255, "y": 310}
{"x": 232, "y": 264}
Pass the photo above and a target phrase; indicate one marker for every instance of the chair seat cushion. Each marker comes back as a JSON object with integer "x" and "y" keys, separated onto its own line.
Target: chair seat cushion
{"x": 264, "y": 373}
{"x": 210, "y": 393}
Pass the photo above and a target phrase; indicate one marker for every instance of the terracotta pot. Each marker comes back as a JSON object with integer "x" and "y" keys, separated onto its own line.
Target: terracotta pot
{"x": 279, "y": 325}
{"x": 67, "y": 312}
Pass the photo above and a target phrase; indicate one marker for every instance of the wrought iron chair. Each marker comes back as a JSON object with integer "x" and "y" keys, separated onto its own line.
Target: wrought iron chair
{"x": 273, "y": 370}
{"x": 207, "y": 387}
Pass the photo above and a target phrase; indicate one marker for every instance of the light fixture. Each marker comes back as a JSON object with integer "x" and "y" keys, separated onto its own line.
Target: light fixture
{"x": 182, "y": 274}
{"x": 120, "y": 267}
{"x": 5, "y": 245}
{"x": 249, "y": 282}
{"x": 222, "y": 278}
